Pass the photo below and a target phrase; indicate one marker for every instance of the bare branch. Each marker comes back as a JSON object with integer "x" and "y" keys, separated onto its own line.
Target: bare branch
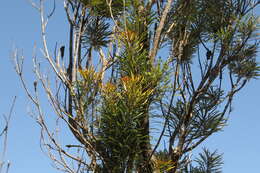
{"x": 4, "y": 134}
{"x": 157, "y": 37}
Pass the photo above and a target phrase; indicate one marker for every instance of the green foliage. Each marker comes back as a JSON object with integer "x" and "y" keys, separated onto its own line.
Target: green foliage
{"x": 101, "y": 7}
{"x": 125, "y": 104}
{"x": 120, "y": 123}
{"x": 242, "y": 54}
{"x": 163, "y": 162}
{"x": 97, "y": 33}
{"x": 87, "y": 88}
{"x": 207, "y": 162}
{"x": 244, "y": 64}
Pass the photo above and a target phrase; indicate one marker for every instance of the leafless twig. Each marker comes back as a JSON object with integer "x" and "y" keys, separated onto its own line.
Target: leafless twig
{"x": 4, "y": 134}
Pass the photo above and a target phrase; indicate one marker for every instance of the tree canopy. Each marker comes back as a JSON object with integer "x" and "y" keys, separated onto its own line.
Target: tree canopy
{"x": 142, "y": 83}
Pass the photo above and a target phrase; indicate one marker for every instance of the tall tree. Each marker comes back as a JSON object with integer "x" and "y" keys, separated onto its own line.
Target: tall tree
{"x": 132, "y": 63}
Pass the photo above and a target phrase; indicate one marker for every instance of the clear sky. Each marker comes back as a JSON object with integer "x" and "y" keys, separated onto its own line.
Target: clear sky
{"x": 20, "y": 27}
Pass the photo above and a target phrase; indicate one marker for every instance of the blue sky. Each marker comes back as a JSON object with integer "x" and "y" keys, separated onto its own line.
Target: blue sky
{"x": 20, "y": 27}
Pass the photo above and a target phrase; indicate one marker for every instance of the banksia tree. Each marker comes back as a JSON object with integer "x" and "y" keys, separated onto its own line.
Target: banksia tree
{"x": 146, "y": 82}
